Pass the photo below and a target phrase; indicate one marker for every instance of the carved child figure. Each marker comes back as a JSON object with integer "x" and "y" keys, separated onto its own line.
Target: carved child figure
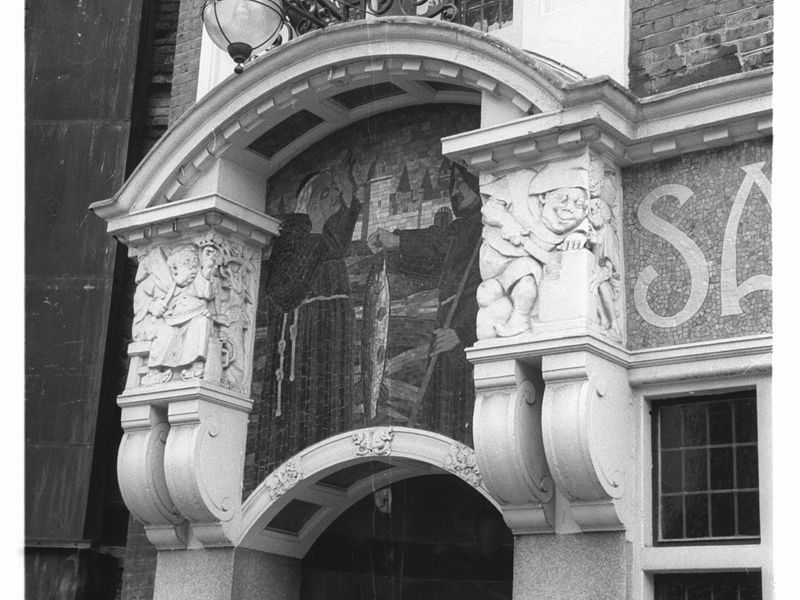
{"x": 184, "y": 326}
{"x": 604, "y": 243}
{"x": 524, "y": 225}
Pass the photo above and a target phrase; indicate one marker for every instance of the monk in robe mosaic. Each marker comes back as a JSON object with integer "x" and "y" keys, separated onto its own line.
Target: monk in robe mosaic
{"x": 447, "y": 252}
{"x": 308, "y": 313}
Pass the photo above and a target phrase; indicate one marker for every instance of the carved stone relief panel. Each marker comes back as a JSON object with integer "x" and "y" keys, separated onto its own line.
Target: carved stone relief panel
{"x": 532, "y": 218}
{"x": 193, "y": 313}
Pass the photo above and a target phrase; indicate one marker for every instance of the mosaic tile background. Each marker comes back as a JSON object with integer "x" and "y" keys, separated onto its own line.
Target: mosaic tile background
{"x": 715, "y": 177}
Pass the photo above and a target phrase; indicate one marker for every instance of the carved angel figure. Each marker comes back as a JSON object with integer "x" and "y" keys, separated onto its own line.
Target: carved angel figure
{"x": 174, "y": 312}
{"x": 526, "y": 218}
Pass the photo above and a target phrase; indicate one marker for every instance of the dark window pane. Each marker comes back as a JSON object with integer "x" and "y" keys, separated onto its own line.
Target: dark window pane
{"x": 671, "y": 476}
{"x": 720, "y": 422}
{"x": 722, "y": 515}
{"x": 670, "y": 421}
{"x": 694, "y": 424}
{"x": 746, "y": 424}
{"x": 750, "y": 587}
{"x": 672, "y": 591}
{"x": 672, "y": 517}
{"x": 696, "y": 472}
{"x": 748, "y": 513}
{"x": 726, "y": 590}
{"x": 721, "y": 468}
{"x": 707, "y": 586}
{"x": 699, "y": 590}
{"x": 747, "y": 467}
{"x": 697, "y": 516}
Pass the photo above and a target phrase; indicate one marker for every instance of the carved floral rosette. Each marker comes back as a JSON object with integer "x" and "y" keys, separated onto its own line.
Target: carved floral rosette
{"x": 194, "y": 309}
{"x": 283, "y": 479}
{"x": 461, "y": 461}
{"x": 374, "y": 442}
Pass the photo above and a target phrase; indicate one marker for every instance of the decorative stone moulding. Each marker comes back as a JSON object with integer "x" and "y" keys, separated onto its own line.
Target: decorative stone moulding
{"x": 186, "y": 401}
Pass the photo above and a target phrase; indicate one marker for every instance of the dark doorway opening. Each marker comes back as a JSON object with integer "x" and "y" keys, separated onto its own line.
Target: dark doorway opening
{"x": 440, "y": 540}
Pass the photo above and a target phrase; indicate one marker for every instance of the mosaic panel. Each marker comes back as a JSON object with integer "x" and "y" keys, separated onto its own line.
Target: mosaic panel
{"x": 368, "y": 298}
{"x": 698, "y": 255}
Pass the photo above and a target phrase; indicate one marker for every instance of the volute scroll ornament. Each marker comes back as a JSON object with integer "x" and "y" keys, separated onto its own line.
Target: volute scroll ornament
{"x": 509, "y": 449}
{"x": 587, "y": 422}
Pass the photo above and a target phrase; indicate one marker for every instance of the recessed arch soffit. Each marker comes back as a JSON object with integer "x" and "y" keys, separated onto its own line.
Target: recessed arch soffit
{"x": 420, "y": 61}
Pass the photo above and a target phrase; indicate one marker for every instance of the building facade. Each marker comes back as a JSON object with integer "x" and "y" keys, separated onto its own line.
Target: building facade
{"x": 409, "y": 308}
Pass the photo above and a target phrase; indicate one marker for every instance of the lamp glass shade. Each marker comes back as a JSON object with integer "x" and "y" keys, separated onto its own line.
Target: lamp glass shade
{"x": 252, "y": 22}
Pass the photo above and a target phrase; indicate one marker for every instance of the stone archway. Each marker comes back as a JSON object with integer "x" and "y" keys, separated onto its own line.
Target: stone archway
{"x": 202, "y": 189}
{"x": 203, "y": 186}
{"x": 330, "y": 476}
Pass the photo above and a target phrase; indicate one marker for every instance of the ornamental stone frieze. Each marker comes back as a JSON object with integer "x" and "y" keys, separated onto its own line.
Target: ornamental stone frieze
{"x": 187, "y": 397}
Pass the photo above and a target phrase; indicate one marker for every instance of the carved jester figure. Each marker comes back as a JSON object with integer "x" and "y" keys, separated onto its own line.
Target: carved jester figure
{"x": 526, "y": 217}
{"x": 530, "y": 218}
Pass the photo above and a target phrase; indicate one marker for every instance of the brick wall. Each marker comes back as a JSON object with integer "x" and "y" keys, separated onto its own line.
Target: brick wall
{"x": 160, "y": 88}
{"x": 675, "y": 43}
{"x": 187, "y": 58}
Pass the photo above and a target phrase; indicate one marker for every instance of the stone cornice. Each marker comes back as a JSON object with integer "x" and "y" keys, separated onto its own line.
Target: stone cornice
{"x": 602, "y": 114}
{"x": 746, "y": 356}
{"x": 175, "y": 218}
{"x": 168, "y": 393}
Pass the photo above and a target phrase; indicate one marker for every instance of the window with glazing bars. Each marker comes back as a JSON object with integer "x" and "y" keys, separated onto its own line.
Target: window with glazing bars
{"x": 708, "y": 586}
{"x": 486, "y": 15}
{"x": 705, "y": 462}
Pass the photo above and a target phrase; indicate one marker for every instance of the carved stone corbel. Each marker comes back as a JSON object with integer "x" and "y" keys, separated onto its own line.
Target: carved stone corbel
{"x": 140, "y": 468}
{"x": 185, "y": 405}
{"x": 587, "y": 426}
{"x": 204, "y": 459}
{"x": 509, "y": 448}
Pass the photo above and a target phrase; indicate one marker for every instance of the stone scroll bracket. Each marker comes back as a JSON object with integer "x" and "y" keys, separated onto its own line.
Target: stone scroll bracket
{"x": 187, "y": 395}
{"x": 509, "y": 445}
{"x": 555, "y": 435}
{"x": 588, "y": 429}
